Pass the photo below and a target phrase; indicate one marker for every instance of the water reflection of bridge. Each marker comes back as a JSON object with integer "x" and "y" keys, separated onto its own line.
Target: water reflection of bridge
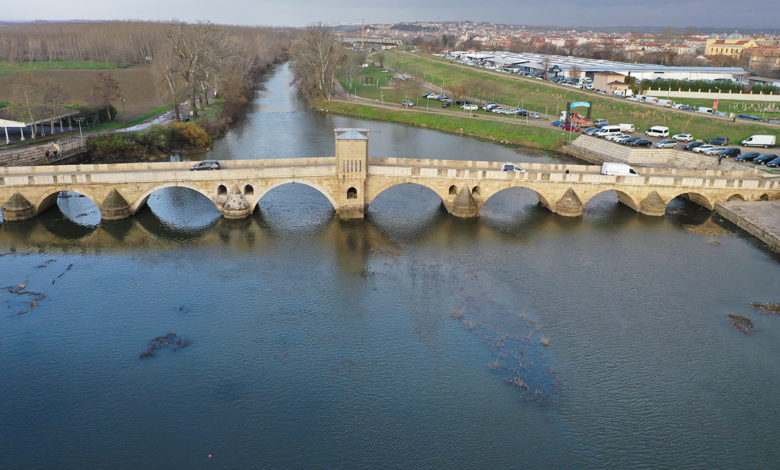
{"x": 351, "y": 181}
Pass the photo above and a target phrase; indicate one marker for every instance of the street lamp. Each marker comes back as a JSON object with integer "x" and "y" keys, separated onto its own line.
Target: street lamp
{"x": 80, "y": 120}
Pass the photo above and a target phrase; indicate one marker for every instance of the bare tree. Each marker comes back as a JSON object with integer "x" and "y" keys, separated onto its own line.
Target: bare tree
{"x": 317, "y": 57}
{"x": 54, "y": 95}
{"x": 24, "y": 91}
{"x": 166, "y": 64}
{"x": 104, "y": 89}
{"x": 352, "y": 68}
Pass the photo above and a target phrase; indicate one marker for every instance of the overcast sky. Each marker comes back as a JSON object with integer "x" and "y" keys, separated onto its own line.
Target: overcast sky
{"x": 728, "y": 14}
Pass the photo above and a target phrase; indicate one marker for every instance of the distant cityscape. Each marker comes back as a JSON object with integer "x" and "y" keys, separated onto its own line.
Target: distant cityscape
{"x": 757, "y": 51}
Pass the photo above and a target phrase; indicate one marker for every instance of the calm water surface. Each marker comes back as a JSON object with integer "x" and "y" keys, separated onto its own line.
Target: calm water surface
{"x": 410, "y": 340}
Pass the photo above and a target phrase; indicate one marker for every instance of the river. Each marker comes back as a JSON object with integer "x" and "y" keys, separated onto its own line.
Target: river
{"x": 410, "y": 340}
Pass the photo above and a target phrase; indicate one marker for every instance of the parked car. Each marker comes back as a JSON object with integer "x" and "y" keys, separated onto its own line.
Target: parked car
{"x": 205, "y": 165}
{"x": 761, "y": 159}
{"x": 702, "y": 148}
{"x": 666, "y": 143}
{"x": 428, "y": 95}
{"x": 591, "y": 131}
{"x": 749, "y": 118}
{"x": 692, "y": 145}
{"x": 760, "y": 140}
{"x": 600, "y": 122}
{"x": 731, "y": 152}
{"x": 718, "y": 141}
{"x": 446, "y": 104}
{"x": 641, "y": 143}
{"x": 774, "y": 163}
{"x": 713, "y": 150}
{"x": 687, "y": 108}
{"x": 568, "y": 128}
{"x": 616, "y": 137}
{"x": 489, "y": 106}
{"x": 747, "y": 157}
{"x": 557, "y": 123}
{"x": 470, "y": 107}
{"x": 407, "y": 103}
{"x": 629, "y": 140}
{"x": 534, "y": 115}
{"x": 683, "y": 137}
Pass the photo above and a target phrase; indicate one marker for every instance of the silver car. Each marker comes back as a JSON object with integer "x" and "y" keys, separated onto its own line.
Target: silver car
{"x": 665, "y": 144}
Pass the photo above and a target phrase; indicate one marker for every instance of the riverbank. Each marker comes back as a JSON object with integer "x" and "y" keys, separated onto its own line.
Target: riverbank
{"x": 493, "y": 131}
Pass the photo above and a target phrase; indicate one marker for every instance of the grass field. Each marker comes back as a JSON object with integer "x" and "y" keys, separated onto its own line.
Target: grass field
{"x": 137, "y": 86}
{"x": 6, "y": 67}
{"x": 536, "y": 137}
{"x": 541, "y": 98}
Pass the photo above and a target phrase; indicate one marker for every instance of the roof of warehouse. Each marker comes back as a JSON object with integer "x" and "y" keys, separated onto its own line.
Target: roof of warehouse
{"x": 585, "y": 64}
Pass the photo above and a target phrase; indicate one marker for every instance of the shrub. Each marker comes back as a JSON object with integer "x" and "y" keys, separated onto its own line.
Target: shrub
{"x": 190, "y": 135}
{"x": 156, "y": 137}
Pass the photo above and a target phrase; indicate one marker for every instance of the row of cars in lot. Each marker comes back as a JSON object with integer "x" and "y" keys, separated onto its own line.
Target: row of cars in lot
{"x": 467, "y": 105}
{"x": 717, "y": 146}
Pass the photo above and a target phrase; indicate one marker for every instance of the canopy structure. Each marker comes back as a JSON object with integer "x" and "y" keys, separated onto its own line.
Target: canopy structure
{"x": 21, "y": 125}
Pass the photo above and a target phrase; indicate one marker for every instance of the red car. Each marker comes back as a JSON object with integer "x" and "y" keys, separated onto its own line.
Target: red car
{"x": 570, "y": 128}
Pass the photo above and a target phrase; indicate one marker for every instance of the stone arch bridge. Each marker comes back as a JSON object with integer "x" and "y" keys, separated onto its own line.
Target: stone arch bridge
{"x": 351, "y": 181}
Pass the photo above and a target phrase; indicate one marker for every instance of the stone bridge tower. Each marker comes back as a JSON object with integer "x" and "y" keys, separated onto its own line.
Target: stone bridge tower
{"x": 351, "y": 160}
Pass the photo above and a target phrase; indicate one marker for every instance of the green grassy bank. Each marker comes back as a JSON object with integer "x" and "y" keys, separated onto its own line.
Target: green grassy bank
{"x": 534, "y": 137}
{"x": 538, "y": 97}
{"x": 54, "y": 65}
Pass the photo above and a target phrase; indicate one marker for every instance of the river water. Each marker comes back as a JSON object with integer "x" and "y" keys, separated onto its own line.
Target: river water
{"x": 410, "y": 340}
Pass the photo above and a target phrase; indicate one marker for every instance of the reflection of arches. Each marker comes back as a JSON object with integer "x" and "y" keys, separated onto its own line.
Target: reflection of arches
{"x": 260, "y": 194}
{"x": 138, "y": 204}
{"x": 249, "y": 190}
{"x": 736, "y": 197}
{"x": 351, "y": 193}
{"x": 397, "y": 183}
{"x": 49, "y": 198}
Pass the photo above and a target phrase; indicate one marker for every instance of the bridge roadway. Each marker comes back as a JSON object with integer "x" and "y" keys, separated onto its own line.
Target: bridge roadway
{"x": 351, "y": 181}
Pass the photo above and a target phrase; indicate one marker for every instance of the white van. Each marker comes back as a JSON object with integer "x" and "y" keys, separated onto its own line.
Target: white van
{"x": 702, "y": 109}
{"x": 627, "y": 128}
{"x": 607, "y": 130}
{"x": 765, "y": 141}
{"x": 657, "y": 131}
{"x": 617, "y": 169}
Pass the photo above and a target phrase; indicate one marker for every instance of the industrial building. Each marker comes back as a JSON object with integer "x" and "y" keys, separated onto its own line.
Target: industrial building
{"x": 580, "y": 67}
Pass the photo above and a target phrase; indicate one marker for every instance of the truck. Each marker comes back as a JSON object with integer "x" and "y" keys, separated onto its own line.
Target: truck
{"x": 617, "y": 169}
{"x": 576, "y": 119}
{"x": 765, "y": 141}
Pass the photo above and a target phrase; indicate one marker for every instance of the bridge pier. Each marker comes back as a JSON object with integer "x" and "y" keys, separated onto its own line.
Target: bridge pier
{"x": 236, "y": 205}
{"x": 569, "y": 205}
{"x": 114, "y": 206}
{"x": 464, "y": 205}
{"x": 18, "y": 208}
{"x": 652, "y": 205}
{"x": 351, "y": 162}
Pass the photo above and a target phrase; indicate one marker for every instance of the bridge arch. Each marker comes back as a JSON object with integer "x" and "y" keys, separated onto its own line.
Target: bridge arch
{"x": 543, "y": 198}
{"x": 141, "y": 201}
{"x": 49, "y": 198}
{"x": 257, "y": 194}
{"x": 698, "y": 198}
{"x": 622, "y": 196}
{"x": 736, "y": 197}
{"x": 448, "y": 190}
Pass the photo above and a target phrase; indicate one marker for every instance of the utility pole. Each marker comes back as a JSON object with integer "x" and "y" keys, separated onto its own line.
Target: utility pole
{"x": 80, "y": 120}
{"x": 362, "y": 34}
